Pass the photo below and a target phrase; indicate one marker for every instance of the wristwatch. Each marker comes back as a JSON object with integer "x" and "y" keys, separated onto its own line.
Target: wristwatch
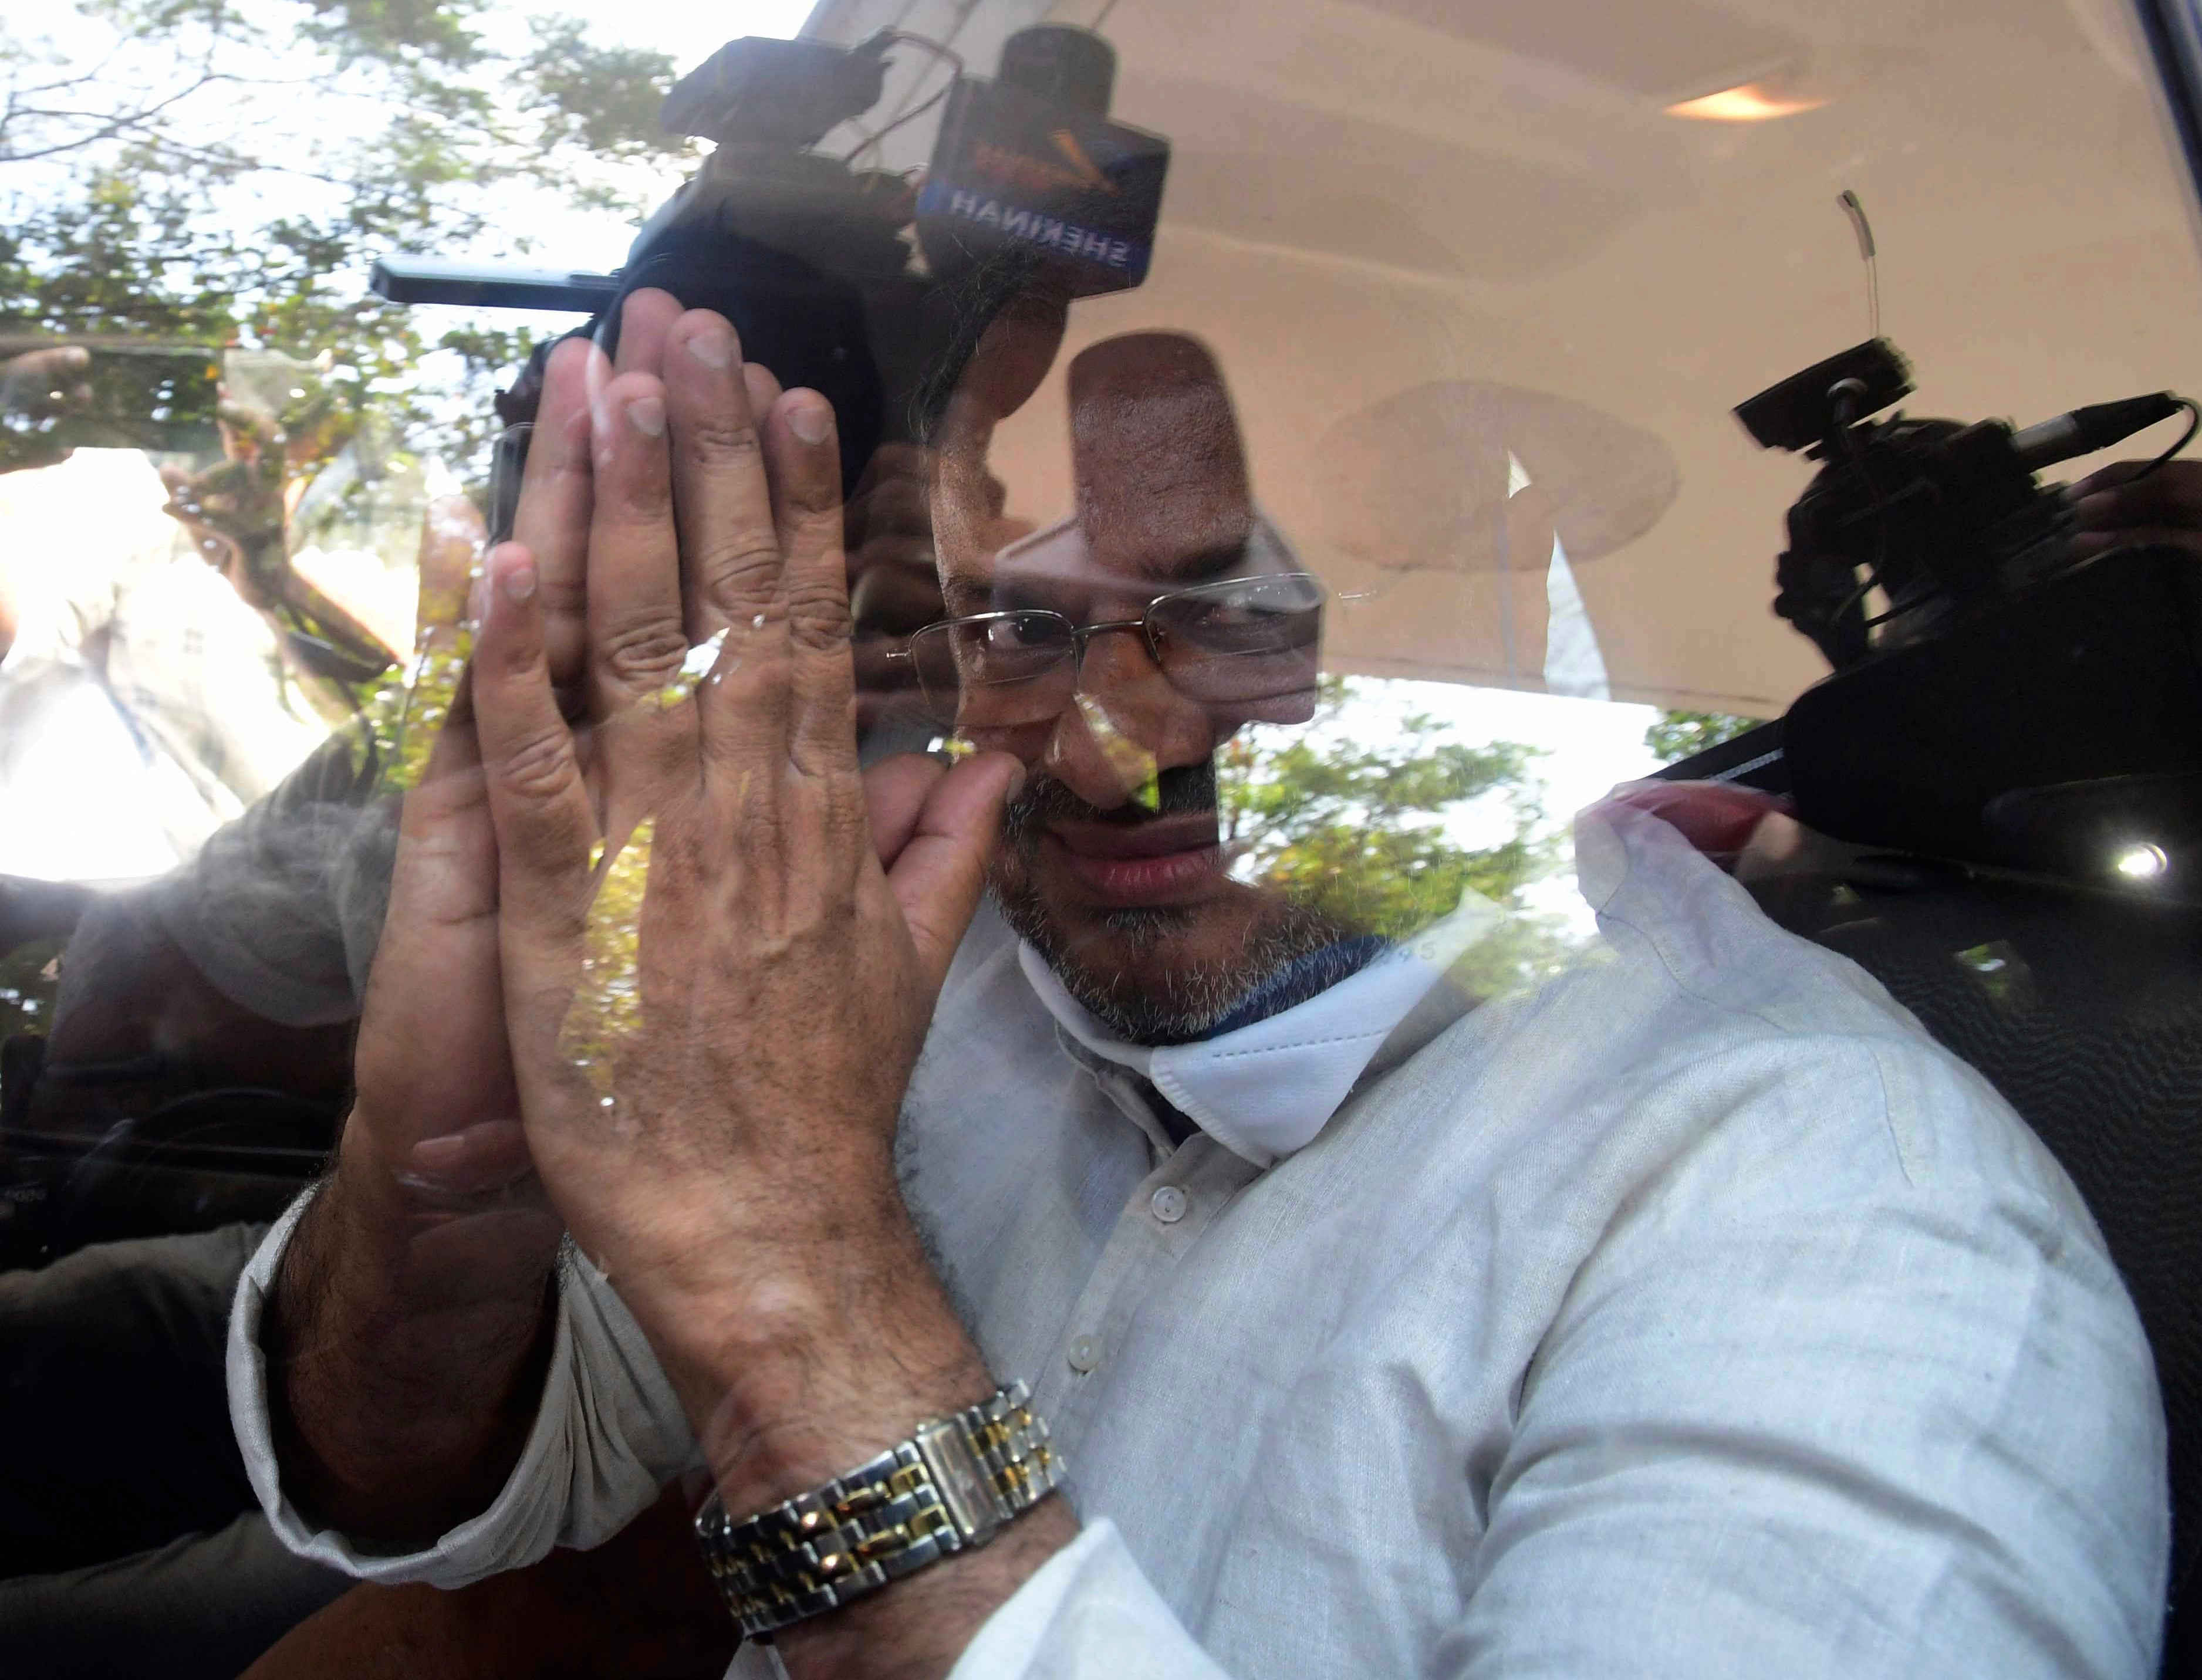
{"x": 950, "y": 1486}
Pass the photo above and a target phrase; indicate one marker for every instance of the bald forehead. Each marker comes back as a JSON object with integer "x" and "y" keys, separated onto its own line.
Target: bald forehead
{"x": 1159, "y": 467}
{"x": 1159, "y": 471}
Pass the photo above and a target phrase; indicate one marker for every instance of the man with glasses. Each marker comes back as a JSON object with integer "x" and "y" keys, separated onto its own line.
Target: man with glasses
{"x": 1066, "y": 650}
{"x": 1693, "y": 1315}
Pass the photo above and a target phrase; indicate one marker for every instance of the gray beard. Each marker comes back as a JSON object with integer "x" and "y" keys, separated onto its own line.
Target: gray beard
{"x": 1161, "y": 1003}
{"x": 1147, "y": 998}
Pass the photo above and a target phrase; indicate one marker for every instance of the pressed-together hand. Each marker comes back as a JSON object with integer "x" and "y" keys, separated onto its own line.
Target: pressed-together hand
{"x": 415, "y": 1292}
{"x": 742, "y": 1110}
{"x": 711, "y": 1096}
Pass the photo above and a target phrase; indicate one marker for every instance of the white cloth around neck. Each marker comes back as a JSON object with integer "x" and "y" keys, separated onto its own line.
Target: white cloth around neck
{"x": 1265, "y": 1090}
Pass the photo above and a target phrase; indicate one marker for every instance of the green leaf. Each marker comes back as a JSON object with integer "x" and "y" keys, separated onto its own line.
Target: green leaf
{"x": 1676, "y": 735}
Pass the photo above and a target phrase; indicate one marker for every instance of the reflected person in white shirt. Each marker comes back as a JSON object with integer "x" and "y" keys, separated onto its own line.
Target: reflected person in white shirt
{"x": 1691, "y": 1315}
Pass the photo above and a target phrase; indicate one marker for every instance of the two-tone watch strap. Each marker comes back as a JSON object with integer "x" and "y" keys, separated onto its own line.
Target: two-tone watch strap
{"x": 950, "y": 1486}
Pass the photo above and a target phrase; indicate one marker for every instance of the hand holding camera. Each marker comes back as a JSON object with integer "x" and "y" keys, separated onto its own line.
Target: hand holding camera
{"x": 38, "y": 389}
{"x": 2125, "y": 503}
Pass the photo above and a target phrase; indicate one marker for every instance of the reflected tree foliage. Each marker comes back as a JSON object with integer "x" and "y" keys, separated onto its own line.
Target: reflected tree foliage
{"x": 1674, "y": 736}
{"x": 605, "y": 1014}
{"x": 1364, "y": 825}
{"x": 30, "y": 981}
{"x": 222, "y": 172}
{"x": 215, "y": 172}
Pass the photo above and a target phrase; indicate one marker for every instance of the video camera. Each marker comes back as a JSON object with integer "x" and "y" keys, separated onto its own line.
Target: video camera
{"x": 142, "y": 395}
{"x": 1935, "y": 513}
{"x": 855, "y": 282}
{"x": 2008, "y": 705}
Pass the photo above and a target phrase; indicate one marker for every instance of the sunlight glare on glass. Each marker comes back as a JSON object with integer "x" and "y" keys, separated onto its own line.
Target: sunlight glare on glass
{"x": 1751, "y": 101}
{"x": 2142, "y": 862}
{"x": 692, "y": 32}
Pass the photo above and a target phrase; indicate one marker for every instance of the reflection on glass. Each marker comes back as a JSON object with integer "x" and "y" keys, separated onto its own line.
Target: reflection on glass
{"x": 1282, "y": 431}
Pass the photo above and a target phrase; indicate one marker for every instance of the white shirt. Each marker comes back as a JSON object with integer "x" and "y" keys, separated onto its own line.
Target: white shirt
{"x": 142, "y": 704}
{"x": 1692, "y": 1316}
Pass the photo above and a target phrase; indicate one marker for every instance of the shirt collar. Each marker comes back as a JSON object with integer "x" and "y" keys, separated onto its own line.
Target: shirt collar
{"x": 1264, "y": 1090}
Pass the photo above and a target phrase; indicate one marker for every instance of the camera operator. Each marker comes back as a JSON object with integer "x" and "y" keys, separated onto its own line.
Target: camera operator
{"x": 1380, "y": 1331}
{"x": 145, "y": 699}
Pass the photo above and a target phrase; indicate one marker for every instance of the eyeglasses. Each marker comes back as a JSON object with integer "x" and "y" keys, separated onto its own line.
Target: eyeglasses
{"x": 1249, "y": 645}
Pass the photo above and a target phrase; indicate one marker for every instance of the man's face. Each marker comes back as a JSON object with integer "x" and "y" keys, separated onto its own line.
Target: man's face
{"x": 1112, "y": 863}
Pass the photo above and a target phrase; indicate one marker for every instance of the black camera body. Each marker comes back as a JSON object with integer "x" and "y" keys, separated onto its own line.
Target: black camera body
{"x": 1937, "y": 513}
{"x": 2009, "y": 707}
{"x": 858, "y": 283}
{"x": 804, "y": 257}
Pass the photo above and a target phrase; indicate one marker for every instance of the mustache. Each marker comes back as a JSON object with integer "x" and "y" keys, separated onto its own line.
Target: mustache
{"x": 1181, "y": 790}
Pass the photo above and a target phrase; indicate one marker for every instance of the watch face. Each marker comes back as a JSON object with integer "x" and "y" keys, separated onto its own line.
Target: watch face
{"x": 973, "y": 1501}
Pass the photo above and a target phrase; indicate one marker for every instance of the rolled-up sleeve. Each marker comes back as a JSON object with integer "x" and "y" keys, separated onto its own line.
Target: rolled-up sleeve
{"x": 608, "y": 1434}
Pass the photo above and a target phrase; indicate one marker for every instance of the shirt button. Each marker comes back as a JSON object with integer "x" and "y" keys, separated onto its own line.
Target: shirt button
{"x": 1085, "y": 1353}
{"x": 1169, "y": 1204}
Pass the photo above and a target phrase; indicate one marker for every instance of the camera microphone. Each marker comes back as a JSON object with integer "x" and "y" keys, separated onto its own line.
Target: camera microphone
{"x": 2084, "y": 431}
{"x": 1030, "y": 164}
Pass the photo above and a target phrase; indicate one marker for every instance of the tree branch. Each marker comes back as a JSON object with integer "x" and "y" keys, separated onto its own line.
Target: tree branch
{"x": 109, "y": 127}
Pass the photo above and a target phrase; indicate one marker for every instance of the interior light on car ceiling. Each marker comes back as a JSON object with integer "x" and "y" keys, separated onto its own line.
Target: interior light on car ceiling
{"x": 1748, "y": 101}
{"x": 2142, "y": 863}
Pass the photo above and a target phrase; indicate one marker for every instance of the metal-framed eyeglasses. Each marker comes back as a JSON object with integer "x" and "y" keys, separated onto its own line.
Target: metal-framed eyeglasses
{"x": 1251, "y": 646}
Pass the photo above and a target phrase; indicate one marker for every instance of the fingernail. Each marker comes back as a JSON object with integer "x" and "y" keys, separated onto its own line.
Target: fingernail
{"x": 713, "y": 346}
{"x": 647, "y": 415}
{"x": 810, "y": 422}
{"x": 434, "y": 1152}
{"x": 516, "y": 579}
{"x": 1016, "y": 779}
{"x": 2095, "y": 507}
